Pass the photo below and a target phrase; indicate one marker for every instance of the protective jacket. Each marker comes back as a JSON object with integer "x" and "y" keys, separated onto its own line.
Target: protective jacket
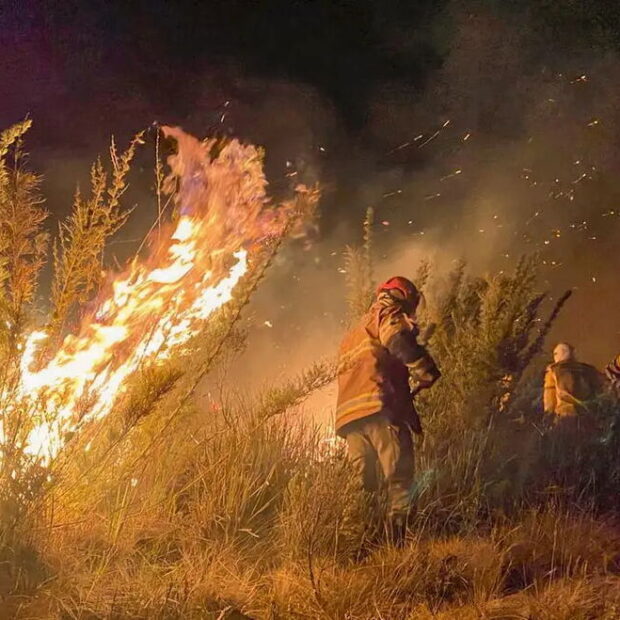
{"x": 613, "y": 372}
{"x": 570, "y": 386}
{"x": 377, "y": 357}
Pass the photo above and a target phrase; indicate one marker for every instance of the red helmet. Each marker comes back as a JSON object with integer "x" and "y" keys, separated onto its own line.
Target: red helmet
{"x": 405, "y": 287}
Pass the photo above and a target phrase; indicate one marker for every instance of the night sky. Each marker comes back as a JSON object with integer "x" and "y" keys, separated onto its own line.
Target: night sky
{"x": 349, "y": 92}
{"x": 101, "y": 60}
{"x": 84, "y": 68}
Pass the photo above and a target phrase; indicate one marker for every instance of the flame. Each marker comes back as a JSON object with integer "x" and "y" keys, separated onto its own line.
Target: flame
{"x": 155, "y": 307}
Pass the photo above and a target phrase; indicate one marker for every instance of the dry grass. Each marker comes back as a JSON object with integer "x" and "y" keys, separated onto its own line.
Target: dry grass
{"x": 23, "y": 242}
{"x": 78, "y": 251}
{"x": 251, "y": 515}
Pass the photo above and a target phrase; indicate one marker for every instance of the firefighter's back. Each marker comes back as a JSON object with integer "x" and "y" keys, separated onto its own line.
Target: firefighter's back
{"x": 577, "y": 384}
{"x": 359, "y": 379}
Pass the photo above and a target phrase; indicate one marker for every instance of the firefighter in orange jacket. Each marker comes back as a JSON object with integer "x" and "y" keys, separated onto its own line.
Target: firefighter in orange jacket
{"x": 375, "y": 411}
{"x": 570, "y": 387}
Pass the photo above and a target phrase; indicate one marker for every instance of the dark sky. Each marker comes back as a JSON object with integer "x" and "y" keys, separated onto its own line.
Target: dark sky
{"x": 81, "y": 49}
{"x": 336, "y": 88}
{"x": 99, "y": 60}
{"x": 94, "y": 65}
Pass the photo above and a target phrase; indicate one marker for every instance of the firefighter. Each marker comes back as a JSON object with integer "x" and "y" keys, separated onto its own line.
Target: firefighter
{"x": 570, "y": 387}
{"x": 375, "y": 411}
{"x": 613, "y": 373}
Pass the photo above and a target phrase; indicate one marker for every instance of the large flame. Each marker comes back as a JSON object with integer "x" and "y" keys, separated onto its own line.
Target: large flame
{"x": 158, "y": 305}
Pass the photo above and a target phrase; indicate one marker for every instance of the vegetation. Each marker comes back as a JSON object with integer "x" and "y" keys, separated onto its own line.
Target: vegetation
{"x": 23, "y": 242}
{"x": 248, "y": 513}
{"x": 78, "y": 251}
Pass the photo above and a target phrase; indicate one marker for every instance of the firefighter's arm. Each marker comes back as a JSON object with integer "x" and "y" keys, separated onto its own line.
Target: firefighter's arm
{"x": 423, "y": 370}
{"x": 549, "y": 393}
{"x": 398, "y": 334}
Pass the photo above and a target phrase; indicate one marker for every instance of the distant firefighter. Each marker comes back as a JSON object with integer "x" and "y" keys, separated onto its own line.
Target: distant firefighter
{"x": 375, "y": 411}
{"x": 613, "y": 373}
{"x": 570, "y": 386}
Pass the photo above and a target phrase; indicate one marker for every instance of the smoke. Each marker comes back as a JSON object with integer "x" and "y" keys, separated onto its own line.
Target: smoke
{"x": 537, "y": 168}
{"x": 525, "y": 165}
{"x": 510, "y": 149}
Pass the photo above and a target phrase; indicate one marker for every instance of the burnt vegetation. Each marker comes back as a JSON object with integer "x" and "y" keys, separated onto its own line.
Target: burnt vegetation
{"x": 161, "y": 511}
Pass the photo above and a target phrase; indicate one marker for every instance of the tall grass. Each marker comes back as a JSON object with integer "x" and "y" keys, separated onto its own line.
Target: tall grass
{"x": 245, "y": 511}
{"x": 78, "y": 249}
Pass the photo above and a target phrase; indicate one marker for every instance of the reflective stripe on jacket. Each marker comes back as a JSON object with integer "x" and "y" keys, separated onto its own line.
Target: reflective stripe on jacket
{"x": 613, "y": 371}
{"x": 376, "y": 359}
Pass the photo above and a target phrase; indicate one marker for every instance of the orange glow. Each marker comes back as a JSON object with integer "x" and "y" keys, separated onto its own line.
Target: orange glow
{"x": 153, "y": 309}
